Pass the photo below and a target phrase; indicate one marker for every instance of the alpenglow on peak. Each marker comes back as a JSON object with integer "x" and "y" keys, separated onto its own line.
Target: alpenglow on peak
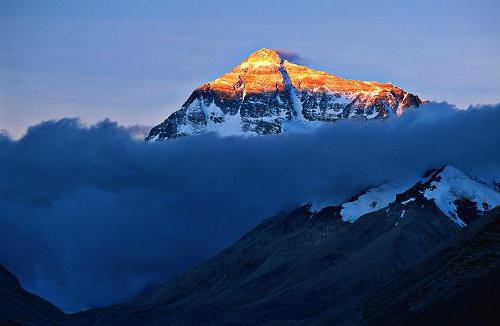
{"x": 267, "y": 94}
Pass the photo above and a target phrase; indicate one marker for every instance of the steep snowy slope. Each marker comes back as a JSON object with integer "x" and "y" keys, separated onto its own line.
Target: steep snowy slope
{"x": 458, "y": 196}
{"x": 266, "y": 94}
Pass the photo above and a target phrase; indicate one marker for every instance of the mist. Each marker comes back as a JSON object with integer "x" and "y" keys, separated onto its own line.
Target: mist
{"x": 92, "y": 216}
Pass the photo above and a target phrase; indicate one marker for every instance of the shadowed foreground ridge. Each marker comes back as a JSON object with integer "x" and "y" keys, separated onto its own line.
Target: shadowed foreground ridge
{"x": 312, "y": 266}
{"x": 19, "y": 307}
{"x": 304, "y": 268}
{"x": 425, "y": 252}
{"x": 266, "y": 94}
{"x": 459, "y": 284}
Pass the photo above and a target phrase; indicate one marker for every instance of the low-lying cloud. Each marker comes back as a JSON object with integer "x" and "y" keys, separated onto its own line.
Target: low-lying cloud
{"x": 90, "y": 216}
{"x": 138, "y": 131}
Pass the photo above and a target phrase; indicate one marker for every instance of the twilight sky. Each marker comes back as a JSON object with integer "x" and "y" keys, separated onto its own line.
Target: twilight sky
{"x": 136, "y": 61}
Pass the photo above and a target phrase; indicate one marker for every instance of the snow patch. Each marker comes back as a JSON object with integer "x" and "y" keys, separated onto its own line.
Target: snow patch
{"x": 408, "y": 201}
{"x": 454, "y": 185}
{"x": 448, "y": 186}
{"x": 373, "y": 200}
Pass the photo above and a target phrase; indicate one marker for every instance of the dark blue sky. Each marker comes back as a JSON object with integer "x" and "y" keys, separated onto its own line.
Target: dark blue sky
{"x": 137, "y": 61}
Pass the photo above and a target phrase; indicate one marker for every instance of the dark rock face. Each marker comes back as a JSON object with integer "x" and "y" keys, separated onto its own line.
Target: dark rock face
{"x": 19, "y": 307}
{"x": 266, "y": 94}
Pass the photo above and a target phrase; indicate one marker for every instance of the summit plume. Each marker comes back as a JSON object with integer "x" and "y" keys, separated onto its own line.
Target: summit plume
{"x": 267, "y": 94}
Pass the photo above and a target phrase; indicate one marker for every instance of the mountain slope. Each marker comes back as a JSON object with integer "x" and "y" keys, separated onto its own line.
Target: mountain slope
{"x": 291, "y": 267}
{"x": 304, "y": 266}
{"x": 266, "y": 94}
{"x": 457, "y": 195}
{"x": 459, "y": 284}
{"x": 19, "y": 307}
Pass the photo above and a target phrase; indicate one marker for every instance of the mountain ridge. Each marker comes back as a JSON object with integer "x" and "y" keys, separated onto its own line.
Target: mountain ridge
{"x": 304, "y": 266}
{"x": 458, "y": 196}
{"x": 267, "y": 94}
{"x": 20, "y": 307}
{"x": 318, "y": 264}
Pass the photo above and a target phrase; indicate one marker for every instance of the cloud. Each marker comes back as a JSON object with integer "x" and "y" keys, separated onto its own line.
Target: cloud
{"x": 91, "y": 216}
{"x": 292, "y": 56}
{"x": 139, "y": 132}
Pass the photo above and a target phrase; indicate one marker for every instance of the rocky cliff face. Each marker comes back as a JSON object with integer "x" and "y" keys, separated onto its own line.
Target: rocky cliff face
{"x": 266, "y": 94}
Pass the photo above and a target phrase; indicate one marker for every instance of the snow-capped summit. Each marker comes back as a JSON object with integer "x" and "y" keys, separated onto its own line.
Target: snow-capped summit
{"x": 454, "y": 193}
{"x": 267, "y": 94}
{"x": 458, "y": 196}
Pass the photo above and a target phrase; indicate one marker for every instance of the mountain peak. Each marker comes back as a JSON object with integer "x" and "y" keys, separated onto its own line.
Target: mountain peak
{"x": 459, "y": 196}
{"x": 266, "y": 94}
{"x": 264, "y": 56}
{"x": 260, "y": 72}
{"x": 455, "y": 194}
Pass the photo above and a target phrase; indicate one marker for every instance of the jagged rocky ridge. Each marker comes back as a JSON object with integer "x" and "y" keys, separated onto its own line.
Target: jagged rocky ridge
{"x": 314, "y": 265}
{"x": 267, "y": 94}
{"x": 457, "y": 195}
